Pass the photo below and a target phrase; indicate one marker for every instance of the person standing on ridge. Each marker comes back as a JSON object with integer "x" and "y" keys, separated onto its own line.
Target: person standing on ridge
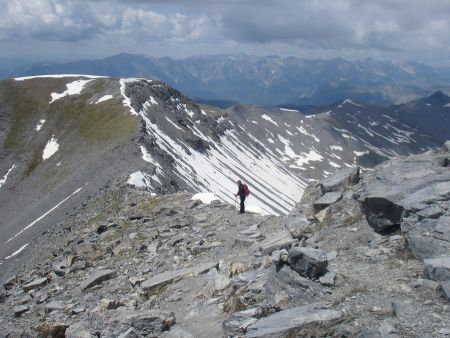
{"x": 243, "y": 192}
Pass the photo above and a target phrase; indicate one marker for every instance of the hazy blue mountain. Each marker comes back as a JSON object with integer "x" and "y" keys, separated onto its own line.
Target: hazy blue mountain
{"x": 430, "y": 115}
{"x": 268, "y": 80}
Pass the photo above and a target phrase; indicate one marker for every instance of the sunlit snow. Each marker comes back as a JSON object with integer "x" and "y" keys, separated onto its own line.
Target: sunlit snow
{"x": 73, "y": 88}
{"x": 40, "y": 124}
{"x": 104, "y": 98}
{"x": 311, "y": 156}
{"x": 51, "y": 148}
{"x": 126, "y": 99}
{"x": 3, "y": 180}
{"x": 291, "y": 110}
{"x": 15, "y": 253}
{"x": 268, "y": 118}
{"x": 205, "y": 197}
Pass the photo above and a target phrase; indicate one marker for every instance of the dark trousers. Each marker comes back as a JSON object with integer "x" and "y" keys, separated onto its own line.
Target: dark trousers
{"x": 242, "y": 204}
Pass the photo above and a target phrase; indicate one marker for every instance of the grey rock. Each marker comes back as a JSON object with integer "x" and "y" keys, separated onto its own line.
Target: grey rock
{"x": 381, "y": 213}
{"x": 445, "y": 290}
{"x": 155, "y": 283}
{"x": 285, "y": 288}
{"x": 78, "y": 265}
{"x": 177, "y": 331}
{"x": 238, "y": 322}
{"x": 78, "y": 330}
{"x": 97, "y": 277}
{"x": 299, "y": 226}
{"x": 10, "y": 282}
{"x": 298, "y": 321}
{"x": 110, "y": 304}
{"x": 20, "y": 309}
{"x": 403, "y": 308}
{"x": 54, "y": 305}
{"x": 430, "y": 212}
{"x": 130, "y": 333}
{"x": 437, "y": 269}
{"x": 148, "y": 323}
{"x": 326, "y": 200}
{"x": 281, "y": 240}
{"x": 340, "y": 181}
{"x": 308, "y": 262}
{"x": 426, "y": 283}
{"x": 37, "y": 283}
{"x": 59, "y": 267}
{"x": 328, "y": 279}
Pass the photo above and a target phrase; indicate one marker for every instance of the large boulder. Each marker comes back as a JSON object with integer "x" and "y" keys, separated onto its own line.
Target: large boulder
{"x": 411, "y": 192}
{"x": 308, "y": 262}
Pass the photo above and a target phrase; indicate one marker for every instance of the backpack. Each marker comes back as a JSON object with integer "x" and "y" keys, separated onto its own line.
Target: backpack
{"x": 246, "y": 190}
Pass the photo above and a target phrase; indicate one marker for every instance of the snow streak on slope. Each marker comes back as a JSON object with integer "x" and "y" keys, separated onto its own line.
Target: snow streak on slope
{"x": 44, "y": 215}
{"x": 275, "y": 190}
{"x": 3, "y": 180}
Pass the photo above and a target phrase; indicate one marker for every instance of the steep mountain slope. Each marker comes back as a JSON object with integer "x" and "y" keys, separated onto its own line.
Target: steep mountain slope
{"x": 63, "y": 138}
{"x": 269, "y": 80}
{"x": 430, "y": 114}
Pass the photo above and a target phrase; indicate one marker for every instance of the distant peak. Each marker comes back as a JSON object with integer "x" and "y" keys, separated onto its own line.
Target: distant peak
{"x": 437, "y": 97}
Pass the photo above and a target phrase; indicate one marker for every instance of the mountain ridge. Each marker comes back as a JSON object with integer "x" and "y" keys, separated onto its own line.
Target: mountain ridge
{"x": 270, "y": 80}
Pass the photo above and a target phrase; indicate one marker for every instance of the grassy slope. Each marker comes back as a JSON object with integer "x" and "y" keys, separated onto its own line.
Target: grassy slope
{"x": 72, "y": 119}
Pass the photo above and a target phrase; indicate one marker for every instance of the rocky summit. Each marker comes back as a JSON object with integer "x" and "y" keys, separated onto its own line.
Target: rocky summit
{"x": 369, "y": 260}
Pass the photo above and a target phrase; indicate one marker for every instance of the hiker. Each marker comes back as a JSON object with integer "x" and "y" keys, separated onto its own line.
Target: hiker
{"x": 243, "y": 192}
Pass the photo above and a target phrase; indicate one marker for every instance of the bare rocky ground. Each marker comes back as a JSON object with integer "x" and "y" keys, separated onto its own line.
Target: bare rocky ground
{"x": 132, "y": 265}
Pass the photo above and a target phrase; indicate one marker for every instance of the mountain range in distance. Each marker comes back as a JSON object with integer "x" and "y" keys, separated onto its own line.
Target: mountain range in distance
{"x": 225, "y": 79}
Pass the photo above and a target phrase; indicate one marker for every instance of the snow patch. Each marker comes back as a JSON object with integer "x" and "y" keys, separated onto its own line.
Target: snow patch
{"x": 311, "y": 156}
{"x": 304, "y": 132}
{"x": 205, "y": 197}
{"x": 334, "y": 147}
{"x": 447, "y": 105}
{"x": 51, "y": 148}
{"x": 360, "y": 153}
{"x": 40, "y": 124}
{"x": 15, "y": 253}
{"x": 139, "y": 180}
{"x": 291, "y": 110}
{"x": 73, "y": 88}
{"x": 268, "y": 118}
{"x": 3, "y": 180}
{"x": 104, "y": 98}
{"x": 334, "y": 164}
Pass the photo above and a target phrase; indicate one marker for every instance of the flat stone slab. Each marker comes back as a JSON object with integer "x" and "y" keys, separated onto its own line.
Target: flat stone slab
{"x": 326, "y": 200}
{"x": 293, "y": 321}
{"x": 37, "y": 283}
{"x": 55, "y": 305}
{"x": 19, "y": 310}
{"x": 341, "y": 180}
{"x": 282, "y": 240}
{"x": 97, "y": 277}
{"x": 437, "y": 268}
{"x": 159, "y": 281}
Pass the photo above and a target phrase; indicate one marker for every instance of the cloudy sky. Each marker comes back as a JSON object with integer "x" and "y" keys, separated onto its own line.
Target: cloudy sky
{"x": 383, "y": 29}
